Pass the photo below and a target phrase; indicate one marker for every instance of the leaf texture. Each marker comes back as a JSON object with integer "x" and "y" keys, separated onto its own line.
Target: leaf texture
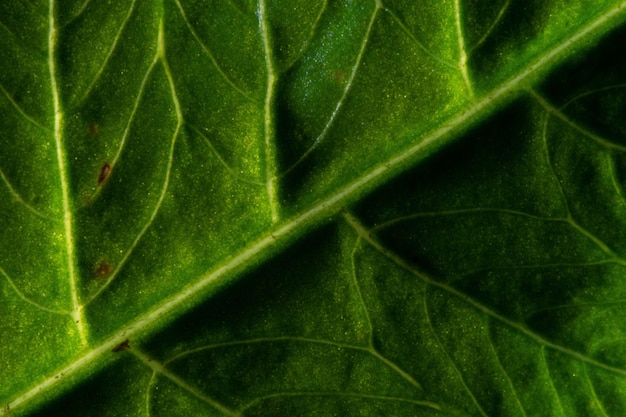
{"x": 267, "y": 208}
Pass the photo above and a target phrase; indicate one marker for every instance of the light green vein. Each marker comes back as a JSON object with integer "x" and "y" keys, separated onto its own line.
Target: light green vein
{"x": 18, "y": 198}
{"x": 462, "y": 48}
{"x": 27, "y": 299}
{"x": 369, "y": 237}
{"x": 617, "y": 186}
{"x": 21, "y": 111}
{"x": 569, "y": 220}
{"x": 295, "y": 394}
{"x": 320, "y": 212}
{"x": 419, "y": 44}
{"x": 551, "y": 379}
{"x": 209, "y": 54}
{"x": 311, "y": 36}
{"x": 179, "y": 121}
{"x": 492, "y": 26}
{"x": 268, "y": 117}
{"x": 109, "y": 54}
{"x": 357, "y": 64}
{"x": 594, "y": 394}
{"x": 453, "y": 364}
{"x": 129, "y": 123}
{"x": 548, "y": 160}
{"x": 552, "y": 110}
{"x": 77, "y": 313}
{"x": 357, "y": 287}
{"x": 365, "y": 349}
{"x": 506, "y": 375}
{"x": 221, "y": 159}
{"x": 162, "y": 370}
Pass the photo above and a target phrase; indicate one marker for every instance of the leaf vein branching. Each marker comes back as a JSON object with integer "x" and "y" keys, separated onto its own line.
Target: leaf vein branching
{"x": 551, "y": 380}
{"x": 561, "y": 116}
{"x": 110, "y": 52}
{"x": 357, "y": 64}
{"x": 269, "y": 122}
{"x": 160, "y": 56}
{"x": 462, "y": 48}
{"x": 568, "y": 220}
{"x": 550, "y": 165}
{"x": 492, "y": 26}
{"x": 419, "y": 43}
{"x": 369, "y": 237}
{"x": 18, "y": 198}
{"x": 320, "y": 212}
{"x": 77, "y": 313}
{"x": 599, "y": 242}
{"x": 149, "y": 392}
{"x": 262, "y": 340}
{"x": 453, "y": 364}
{"x": 27, "y": 299}
{"x": 21, "y": 111}
{"x": 222, "y": 161}
{"x": 472, "y": 210}
{"x": 162, "y": 370}
{"x": 311, "y": 36}
{"x": 131, "y": 118}
{"x": 357, "y": 287}
{"x": 594, "y": 394}
{"x": 80, "y": 11}
{"x": 395, "y": 367}
{"x": 506, "y": 374}
{"x": 293, "y": 394}
{"x": 209, "y": 54}
{"x": 594, "y": 91}
{"x": 366, "y": 349}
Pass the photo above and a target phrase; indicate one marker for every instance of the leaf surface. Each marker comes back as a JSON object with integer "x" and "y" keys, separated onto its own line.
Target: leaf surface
{"x": 312, "y": 208}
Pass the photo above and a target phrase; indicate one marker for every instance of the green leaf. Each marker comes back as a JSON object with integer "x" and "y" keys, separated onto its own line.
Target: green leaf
{"x": 267, "y": 208}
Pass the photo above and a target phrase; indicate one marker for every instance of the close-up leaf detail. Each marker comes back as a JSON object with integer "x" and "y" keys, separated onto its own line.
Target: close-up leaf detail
{"x": 312, "y": 208}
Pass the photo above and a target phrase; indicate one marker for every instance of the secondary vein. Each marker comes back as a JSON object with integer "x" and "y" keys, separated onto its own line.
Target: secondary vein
{"x": 77, "y": 313}
{"x": 268, "y": 125}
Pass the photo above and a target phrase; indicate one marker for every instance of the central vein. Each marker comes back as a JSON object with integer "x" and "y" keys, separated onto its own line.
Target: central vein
{"x": 77, "y": 313}
{"x": 268, "y": 126}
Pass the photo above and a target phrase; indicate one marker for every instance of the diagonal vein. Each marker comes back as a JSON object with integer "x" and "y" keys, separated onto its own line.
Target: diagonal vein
{"x": 322, "y": 211}
{"x": 77, "y": 313}
{"x": 109, "y": 54}
{"x": 367, "y": 235}
{"x": 160, "y": 55}
{"x": 345, "y": 92}
{"x": 162, "y": 370}
{"x": 209, "y": 54}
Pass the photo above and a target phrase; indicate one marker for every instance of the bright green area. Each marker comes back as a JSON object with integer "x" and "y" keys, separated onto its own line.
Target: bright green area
{"x": 312, "y": 208}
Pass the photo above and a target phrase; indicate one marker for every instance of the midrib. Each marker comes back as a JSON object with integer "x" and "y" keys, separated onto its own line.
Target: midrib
{"x": 289, "y": 230}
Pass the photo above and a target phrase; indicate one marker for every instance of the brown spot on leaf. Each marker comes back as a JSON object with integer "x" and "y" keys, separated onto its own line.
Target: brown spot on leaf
{"x": 103, "y": 269}
{"x": 105, "y": 170}
{"x": 340, "y": 77}
{"x": 122, "y": 346}
{"x": 93, "y": 129}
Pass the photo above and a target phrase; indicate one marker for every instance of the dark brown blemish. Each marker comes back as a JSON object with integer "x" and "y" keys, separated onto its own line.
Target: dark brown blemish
{"x": 105, "y": 170}
{"x": 103, "y": 269}
{"x": 122, "y": 346}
